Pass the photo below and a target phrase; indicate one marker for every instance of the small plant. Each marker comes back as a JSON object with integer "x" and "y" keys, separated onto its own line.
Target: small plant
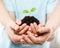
{"x": 29, "y": 18}
{"x": 29, "y": 11}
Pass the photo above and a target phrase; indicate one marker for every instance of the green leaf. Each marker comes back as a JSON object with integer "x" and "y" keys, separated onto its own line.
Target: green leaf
{"x": 33, "y": 9}
{"x": 25, "y": 11}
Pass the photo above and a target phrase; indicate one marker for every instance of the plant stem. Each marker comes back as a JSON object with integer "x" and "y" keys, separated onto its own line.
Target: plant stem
{"x": 29, "y": 14}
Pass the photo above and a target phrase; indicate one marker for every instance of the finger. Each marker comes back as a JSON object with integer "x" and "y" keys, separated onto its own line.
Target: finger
{"x": 43, "y": 30}
{"x": 31, "y": 36}
{"x": 36, "y": 35}
{"x": 14, "y": 26}
{"x": 17, "y": 38}
{"x": 42, "y": 39}
{"x": 33, "y": 28}
{"x": 30, "y": 29}
{"x": 41, "y": 24}
{"x": 18, "y": 22}
{"x": 14, "y": 38}
{"x": 26, "y": 38}
{"x": 10, "y": 32}
{"x": 51, "y": 37}
{"x": 24, "y": 30}
{"x": 22, "y": 26}
{"x": 39, "y": 41}
{"x": 23, "y": 41}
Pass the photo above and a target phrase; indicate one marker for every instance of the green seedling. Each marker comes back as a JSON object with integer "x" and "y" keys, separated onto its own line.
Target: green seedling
{"x": 29, "y": 12}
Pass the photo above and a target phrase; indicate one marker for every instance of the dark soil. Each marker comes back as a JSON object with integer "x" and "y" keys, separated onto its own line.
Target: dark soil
{"x": 30, "y": 19}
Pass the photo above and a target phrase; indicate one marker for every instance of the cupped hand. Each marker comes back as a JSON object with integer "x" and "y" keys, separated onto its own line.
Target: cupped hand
{"x": 12, "y": 34}
{"x": 45, "y": 34}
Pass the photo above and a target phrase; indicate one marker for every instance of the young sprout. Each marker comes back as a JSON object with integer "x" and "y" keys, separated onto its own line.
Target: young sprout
{"x": 29, "y": 12}
{"x": 33, "y": 9}
{"x": 25, "y": 11}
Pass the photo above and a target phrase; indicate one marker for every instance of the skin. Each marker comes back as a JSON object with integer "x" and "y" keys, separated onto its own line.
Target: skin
{"x": 51, "y": 25}
{"x": 10, "y": 23}
{"x": 13, "y": 26}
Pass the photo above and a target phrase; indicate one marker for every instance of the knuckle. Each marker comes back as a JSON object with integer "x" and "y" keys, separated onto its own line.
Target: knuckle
{"x": 51, "y": 38}
{"x": 42, "y": 42}
{"x": 17, "y": 28}
{"x": 24, "y": 24}
{"x": 21, "y": 32}
{"x": 14, "y": 40}
{"x": 35, "y": 41}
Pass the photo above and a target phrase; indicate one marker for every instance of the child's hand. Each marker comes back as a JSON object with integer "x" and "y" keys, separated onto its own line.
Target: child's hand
{"x": 15, "y": 37}
{"x": 36, "y": 40}
{"x": 32, "y": 39}
{"x": 12, "y": 36}
{"x": 34, "y": 27}
{"x": 13, "y": 25}
{"x": 23, "y": 28}
{"x": 12, "y": 33}
{"x": 44, "y": 32}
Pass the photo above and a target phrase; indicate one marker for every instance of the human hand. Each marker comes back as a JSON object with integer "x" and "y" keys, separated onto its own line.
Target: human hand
{"x": 35, "y": 40}
{"x": 33, "y": 29}
{"x": 44, "y": 35}
{"x": 23, "y": 28}
{"x": 12, "y": 33}
{"x": 45, "y": 30}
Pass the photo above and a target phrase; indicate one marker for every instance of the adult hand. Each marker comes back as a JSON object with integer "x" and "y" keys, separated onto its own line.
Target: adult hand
{"x": 12, "y": 33}
{"x": 44, "y": 35}
{"x": 23, "y": 28}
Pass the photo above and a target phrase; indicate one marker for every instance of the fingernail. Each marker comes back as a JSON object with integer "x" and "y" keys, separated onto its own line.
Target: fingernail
{"x": 29, "y": 28}
{"x": 22, "y": 40}
{"x": 19, "y": 23}
{"x": 28, "y": 32}
{"x": 36, "y": 35}
{"x": 34, "y": 22}
{"x": 25, "y": 24}
{"x": 17, "y": 28}
{"x": 31, "y": 24}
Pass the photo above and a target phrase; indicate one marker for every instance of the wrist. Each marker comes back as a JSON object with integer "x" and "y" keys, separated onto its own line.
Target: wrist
{"x": 51, "y": 31}
{"x": 10, "y": 23}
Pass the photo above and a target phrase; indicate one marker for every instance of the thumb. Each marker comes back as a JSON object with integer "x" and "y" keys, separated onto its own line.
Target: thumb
{"x": 15, "y": 27}
{"x": 41, "y": 24}
{"x": 18, "y": 22}
{"x": 43, "y": 30}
